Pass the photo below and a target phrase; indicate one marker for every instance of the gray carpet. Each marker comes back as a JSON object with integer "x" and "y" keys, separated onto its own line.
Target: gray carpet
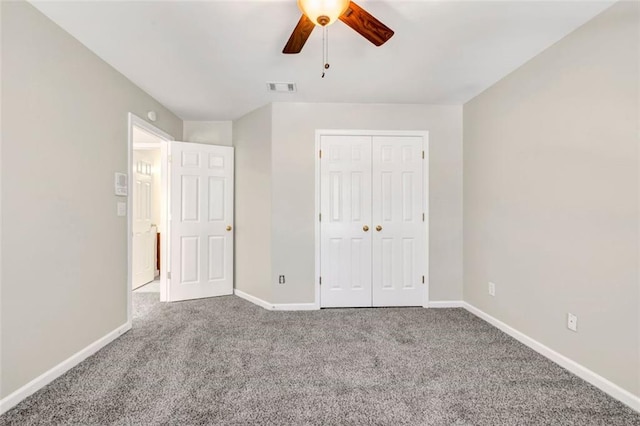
{"x": 226, "y": 361}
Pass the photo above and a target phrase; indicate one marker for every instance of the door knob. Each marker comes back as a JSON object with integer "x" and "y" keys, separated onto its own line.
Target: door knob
{"x": 229, "y": 228}
{"x": 365, "y": 228}
{"x": 378, "y": 228}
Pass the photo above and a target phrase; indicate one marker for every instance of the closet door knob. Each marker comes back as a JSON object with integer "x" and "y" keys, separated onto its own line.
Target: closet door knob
{"x": 229, "y": 228}
{"x": 365, "y": 228}
{"x": 378, "y": 228}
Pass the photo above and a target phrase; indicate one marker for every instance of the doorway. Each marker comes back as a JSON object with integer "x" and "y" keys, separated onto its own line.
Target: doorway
{"x": 146, "y": 194}
{"x": 147, "y": 200}
{"x": 372, "y": 234}
{"x": 180, "y": 214}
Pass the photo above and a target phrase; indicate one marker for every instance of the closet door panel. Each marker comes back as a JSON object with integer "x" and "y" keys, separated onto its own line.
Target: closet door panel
{"x": 345, "y": 208}
{"x": 398, "y": 240}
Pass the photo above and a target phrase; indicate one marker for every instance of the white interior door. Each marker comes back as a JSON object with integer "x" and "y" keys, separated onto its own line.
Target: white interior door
{"x": 372, "y": 225}
{"x": 345, "y": 221}
{"x": 398, "y": 221}
{"x": 201, "y": 221}
{"x": 144, "y": 234}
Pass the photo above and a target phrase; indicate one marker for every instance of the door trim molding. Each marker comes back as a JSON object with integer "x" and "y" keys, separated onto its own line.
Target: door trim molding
{"x": 425, "y": 196}
{"x": 134, "y": 120}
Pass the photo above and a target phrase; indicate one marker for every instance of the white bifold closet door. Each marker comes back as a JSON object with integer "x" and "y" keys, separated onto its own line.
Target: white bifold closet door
{"x": 399, "y": 231}
{"x": 345, "y": 242}
{"x": 372, "y": 229}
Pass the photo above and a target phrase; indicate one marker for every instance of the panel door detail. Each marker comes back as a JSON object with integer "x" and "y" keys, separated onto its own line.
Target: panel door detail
{"x": 201, "y": 221}
{"x": 345, "y": 208}
{"x": 144, "y": 233}
{"x": 399, "y": 237}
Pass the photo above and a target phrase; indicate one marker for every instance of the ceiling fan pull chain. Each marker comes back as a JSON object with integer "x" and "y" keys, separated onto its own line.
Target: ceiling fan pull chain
{"x": 324, "y": 48}
{"x": 326, "y": 59}
{"x": 324, "y": 31}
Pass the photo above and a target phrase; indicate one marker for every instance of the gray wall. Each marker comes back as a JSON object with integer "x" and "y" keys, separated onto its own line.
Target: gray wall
{"x": 64, "y": 134}
{"x": 252, "y": 141}
{"x": 551, "y": 197}
{"x": 293, "y": 188}
{"x": 209, "y": 132}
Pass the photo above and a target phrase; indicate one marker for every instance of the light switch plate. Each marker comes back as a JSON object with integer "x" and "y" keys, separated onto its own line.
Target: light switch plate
{"x": 122, "y": 208}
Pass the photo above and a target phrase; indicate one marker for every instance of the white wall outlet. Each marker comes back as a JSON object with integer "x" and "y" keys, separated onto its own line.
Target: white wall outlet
{"x": 492, "y": 289}
{"x": 572, "y": 322}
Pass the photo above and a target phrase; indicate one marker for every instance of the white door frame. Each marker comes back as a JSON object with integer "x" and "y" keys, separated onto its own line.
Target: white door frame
{"x": 135, "y": 121}
{"x": 425, "y": 196}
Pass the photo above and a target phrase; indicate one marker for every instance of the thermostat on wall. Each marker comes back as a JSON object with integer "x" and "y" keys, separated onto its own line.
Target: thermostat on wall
{"x": 121, "y": 184}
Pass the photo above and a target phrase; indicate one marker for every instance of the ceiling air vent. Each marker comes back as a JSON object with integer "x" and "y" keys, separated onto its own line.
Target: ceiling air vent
{"x": 273, "y": 86}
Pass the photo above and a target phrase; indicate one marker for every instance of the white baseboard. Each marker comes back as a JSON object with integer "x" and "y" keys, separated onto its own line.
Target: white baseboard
{"x": 276, "y": 306}
{"x": 295, "y": 307}
{"x": 579, "y": 370}
{"x": 446, "y": 304}
{"x": 313, "y": 307}
{"x": 47, "y": 377}
{"x": 255, "y": 300}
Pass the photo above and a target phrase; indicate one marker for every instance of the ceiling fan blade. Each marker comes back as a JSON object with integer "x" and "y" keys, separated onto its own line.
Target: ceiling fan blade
{"x": 299, "y": 36}
{"x": 366, "y": 24}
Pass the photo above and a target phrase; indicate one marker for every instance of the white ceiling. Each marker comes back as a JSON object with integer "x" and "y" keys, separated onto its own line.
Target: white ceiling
{"x": 210, "y": 60}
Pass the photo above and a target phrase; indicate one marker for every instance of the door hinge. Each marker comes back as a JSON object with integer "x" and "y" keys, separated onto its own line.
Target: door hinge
{"x": 320, "y": 281}
{"x": 320, "y": 217}
{"x": 423, "y": 154}
{"x": 423, "y": 279}
{"x": 423, "y": 217}
{"x": 169, "y": 158}
{"x": 320, "y": 154}
{"x": 169, "y": 274}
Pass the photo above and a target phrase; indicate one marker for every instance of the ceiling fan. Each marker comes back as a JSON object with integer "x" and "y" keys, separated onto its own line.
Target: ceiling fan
{"x": 326, "y": 12}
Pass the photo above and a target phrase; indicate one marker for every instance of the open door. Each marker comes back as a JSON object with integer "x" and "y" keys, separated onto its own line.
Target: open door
{"x": 144, "y": 231}
{"x": 200, "y": 221}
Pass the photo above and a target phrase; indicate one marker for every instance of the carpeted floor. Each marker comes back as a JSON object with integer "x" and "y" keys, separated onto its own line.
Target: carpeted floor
{"x": 226, "y": 361}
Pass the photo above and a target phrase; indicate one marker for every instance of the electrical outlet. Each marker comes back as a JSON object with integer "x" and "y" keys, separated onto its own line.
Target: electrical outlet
{"x": 492, "y": 289}
{"x": 572, "y": 322}
{"x": 281, "y": 279}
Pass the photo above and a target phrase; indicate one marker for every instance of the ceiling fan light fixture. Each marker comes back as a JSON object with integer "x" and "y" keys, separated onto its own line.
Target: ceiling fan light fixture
{"x": 323, "y": 12}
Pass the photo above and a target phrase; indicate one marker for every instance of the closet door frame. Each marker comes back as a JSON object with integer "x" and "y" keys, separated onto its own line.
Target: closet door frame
{"x": 425, "y": 196}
